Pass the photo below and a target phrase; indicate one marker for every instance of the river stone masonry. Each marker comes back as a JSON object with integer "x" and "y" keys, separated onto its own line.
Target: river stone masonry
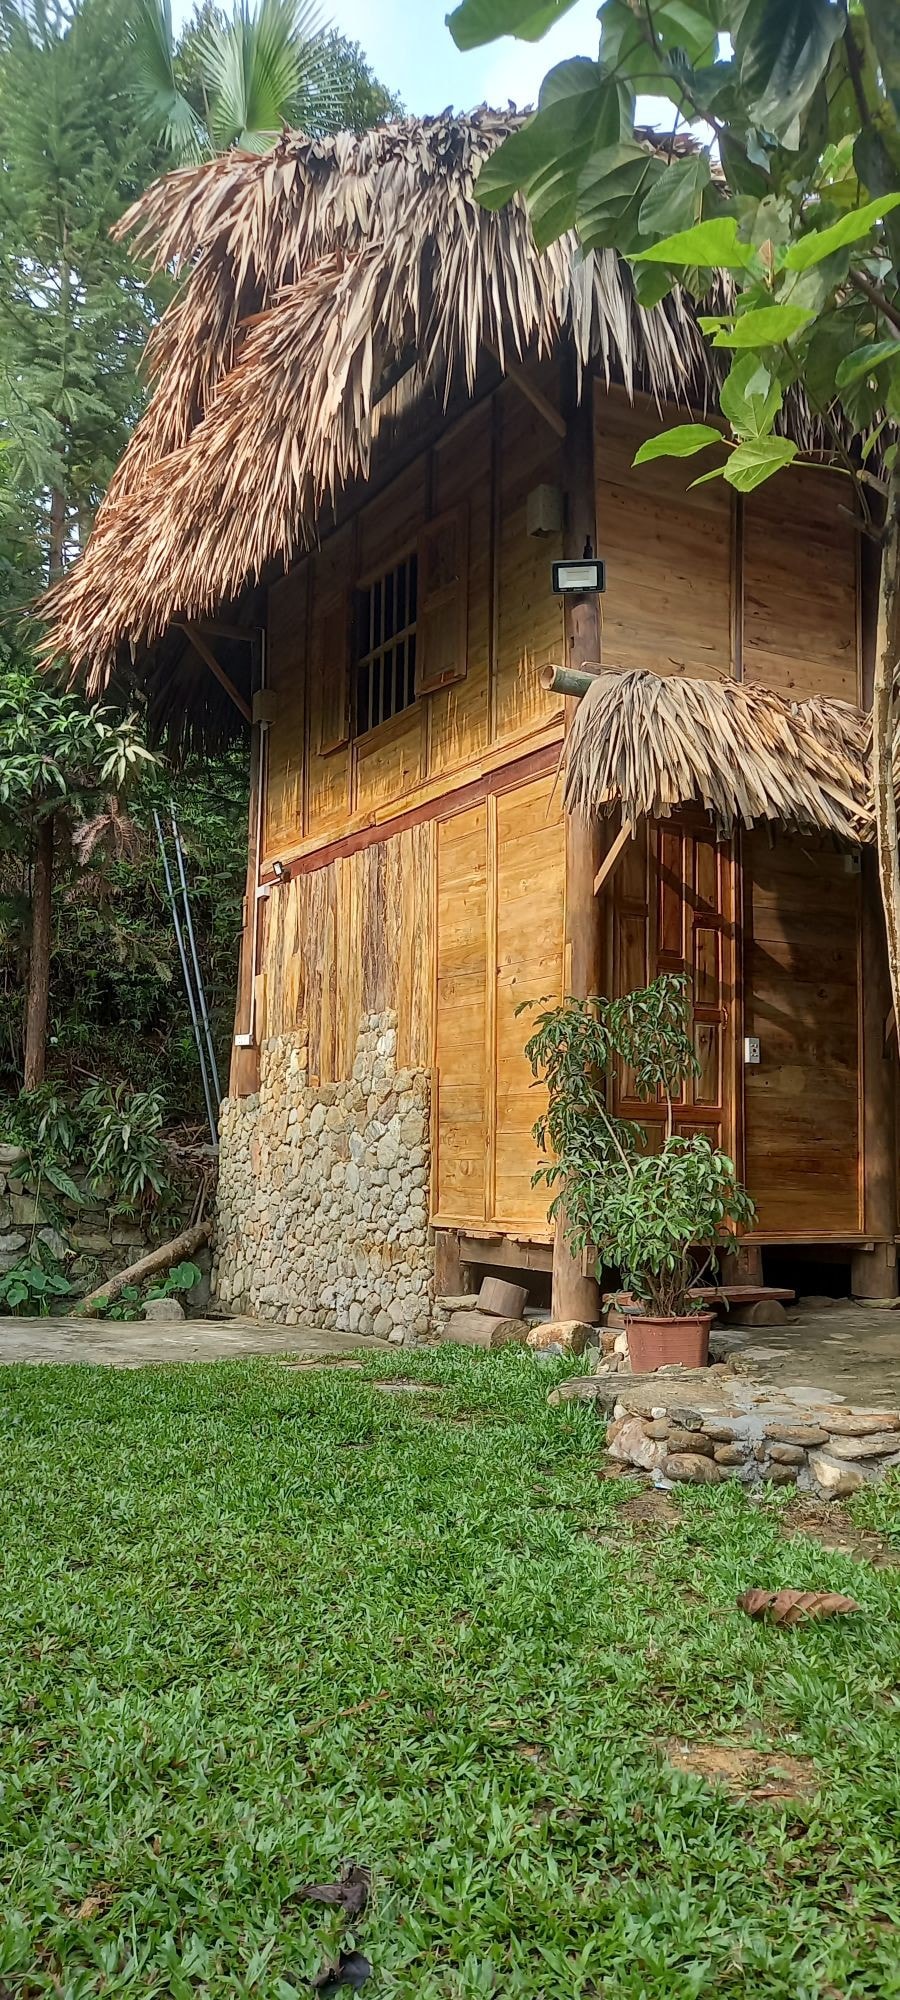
{"x": 323, "y": 1192}
{"x": 700, "y": 1426}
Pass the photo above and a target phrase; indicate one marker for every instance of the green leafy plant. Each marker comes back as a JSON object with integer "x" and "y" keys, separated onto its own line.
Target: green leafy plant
{"x": 33, "y": 1285}
{"x": 129, "y": 1303}
{"x": 646, "y": 1214}
{"x": 108, "y": 1143}
{"x": 125, "y": 1141}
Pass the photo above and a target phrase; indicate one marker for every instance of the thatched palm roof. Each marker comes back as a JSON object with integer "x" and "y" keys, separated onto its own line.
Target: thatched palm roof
{"x": 651, "y": 743}
{"x": 312, "y": 277}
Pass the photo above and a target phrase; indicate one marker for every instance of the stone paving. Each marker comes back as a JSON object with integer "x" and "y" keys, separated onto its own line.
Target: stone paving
{"x": 134, "y": 1343}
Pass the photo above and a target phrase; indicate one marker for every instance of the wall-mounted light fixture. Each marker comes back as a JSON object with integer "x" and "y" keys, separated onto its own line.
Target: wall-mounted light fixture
{"x": 580, "y": 576}
{"x": 279, "y": 870}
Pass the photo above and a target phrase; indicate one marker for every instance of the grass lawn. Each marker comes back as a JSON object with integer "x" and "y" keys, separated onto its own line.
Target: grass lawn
{"x": 255, "y": 1621}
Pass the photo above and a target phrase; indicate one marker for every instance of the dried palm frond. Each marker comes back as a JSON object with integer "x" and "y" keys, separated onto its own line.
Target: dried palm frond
{"x": 112, "y": 831}
{"x": 307, "y": 274}
{"x": 651, "y": 743}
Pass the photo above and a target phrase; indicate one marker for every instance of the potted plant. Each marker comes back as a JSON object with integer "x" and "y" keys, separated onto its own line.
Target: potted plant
{"x": 660, "y": 1218}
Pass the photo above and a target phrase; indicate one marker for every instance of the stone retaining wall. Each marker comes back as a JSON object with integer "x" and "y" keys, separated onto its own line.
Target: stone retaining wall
{"x": 323, "y": 1192}
{"x": 85, "y": 1236}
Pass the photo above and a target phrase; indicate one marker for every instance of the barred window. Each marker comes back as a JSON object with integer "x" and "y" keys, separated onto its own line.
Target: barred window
{"x": 385, "y": 648}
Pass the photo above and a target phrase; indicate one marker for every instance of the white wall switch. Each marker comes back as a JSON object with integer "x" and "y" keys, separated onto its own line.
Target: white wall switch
{"x": 751, "y": 1049}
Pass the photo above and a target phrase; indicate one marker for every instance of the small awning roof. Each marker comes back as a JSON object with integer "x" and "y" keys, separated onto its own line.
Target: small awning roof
{"x": 650, "y": 743}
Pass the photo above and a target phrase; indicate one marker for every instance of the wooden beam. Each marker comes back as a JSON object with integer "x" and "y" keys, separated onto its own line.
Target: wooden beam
{"x": 206, "y": 654}
{"x": 521, "y": 380}
{"x": 576, "y": 1295}
{"x": 874, "y": 1272}
{"x": 219, "y": 628}
{"x": 613, "y": 856}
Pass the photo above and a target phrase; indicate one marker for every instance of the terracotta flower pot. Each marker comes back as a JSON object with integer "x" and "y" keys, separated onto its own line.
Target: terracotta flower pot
{"x": 667, "y": 1343}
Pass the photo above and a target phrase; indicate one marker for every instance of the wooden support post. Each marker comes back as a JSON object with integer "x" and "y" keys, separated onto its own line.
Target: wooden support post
{"x": 575, "y": 1294}
{"x": 874, "y": 1270}
{"x": 244, "y": 1079}
{"x": 205, "y": 653}
{"x": 451, "y": 1273}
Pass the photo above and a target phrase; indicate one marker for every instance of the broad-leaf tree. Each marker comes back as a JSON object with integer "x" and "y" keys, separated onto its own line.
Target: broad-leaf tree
{"x": 236, "y": 79}
{"x": 74, "y": 312}
{"x": 789, "y": 195}
{"x": 62, "y": 765}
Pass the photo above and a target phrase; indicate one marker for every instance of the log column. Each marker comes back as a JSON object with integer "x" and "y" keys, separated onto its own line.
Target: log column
{"x": 576, "y": 1295}
{"x": 874, "y": 1270}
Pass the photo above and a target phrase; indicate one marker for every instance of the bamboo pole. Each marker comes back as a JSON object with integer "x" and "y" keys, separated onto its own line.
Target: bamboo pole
{"x": 573, "y": 681}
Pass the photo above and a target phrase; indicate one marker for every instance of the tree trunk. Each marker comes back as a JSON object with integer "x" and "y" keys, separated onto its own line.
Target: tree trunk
{"x": 57, "y": 545}
{"x": 887, "y": 662}
{"x": 37, "y": 997}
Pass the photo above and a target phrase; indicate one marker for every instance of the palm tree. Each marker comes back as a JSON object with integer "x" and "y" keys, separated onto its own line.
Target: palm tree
{"x": 264, "y": 67}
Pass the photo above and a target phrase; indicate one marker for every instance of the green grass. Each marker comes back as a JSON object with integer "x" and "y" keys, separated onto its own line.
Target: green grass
{"x": 254, "y": 1621}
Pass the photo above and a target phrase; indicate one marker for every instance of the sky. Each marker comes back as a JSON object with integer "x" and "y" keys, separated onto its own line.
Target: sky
{"x": 412, "y": 51}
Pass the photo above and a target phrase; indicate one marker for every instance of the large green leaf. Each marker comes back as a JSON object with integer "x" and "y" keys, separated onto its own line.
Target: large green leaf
{"x": 580, "y": 110}
{"x": 756, "y": 460}
{"x": 821, "y": 243}
{"x": 163, "y": 107}
{"x": 611, "y": 189}
{"x": 475, "y": 22}
{"x": 749, "y": 398}
{"x": 883, "y": 22}
{"x": 712, "y": 244}
{"x": 767, "y": 326}
{"x": 866, "y": 361}
{"x": 674, "y": 202}
{"x": 680, "y": 442}
{"x": 783, "y": 48}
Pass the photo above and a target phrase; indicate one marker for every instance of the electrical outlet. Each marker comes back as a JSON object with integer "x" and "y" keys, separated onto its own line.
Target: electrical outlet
{"x": 751, "y": 1049}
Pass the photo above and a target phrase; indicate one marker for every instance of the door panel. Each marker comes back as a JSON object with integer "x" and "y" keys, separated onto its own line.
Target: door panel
{"x": 801, "y": 923}
{"x": 673, "y": 911}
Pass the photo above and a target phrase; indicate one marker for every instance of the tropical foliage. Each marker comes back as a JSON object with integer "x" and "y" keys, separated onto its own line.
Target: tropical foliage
{"x": 780, "y": 181}
{"x": 645, "y": 1214}
{"x": 236, "y": 79}
{"x": 88, "y": 963}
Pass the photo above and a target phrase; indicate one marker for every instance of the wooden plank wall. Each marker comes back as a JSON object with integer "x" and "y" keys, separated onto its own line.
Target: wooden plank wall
{"x": 499, "y": 937}
{"x": 669, "y": 551}
{"x": 489, "y": 461}
{"x": 455, "y": 919}
{"x": 354, "y": 938}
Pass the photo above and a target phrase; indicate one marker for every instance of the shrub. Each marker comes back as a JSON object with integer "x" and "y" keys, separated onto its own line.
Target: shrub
{"x": 643, "y": 1213}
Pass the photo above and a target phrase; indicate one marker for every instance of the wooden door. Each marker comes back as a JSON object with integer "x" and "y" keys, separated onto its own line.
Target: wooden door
{"x": 801, "y": 981}
{"x": 672, "y": 910}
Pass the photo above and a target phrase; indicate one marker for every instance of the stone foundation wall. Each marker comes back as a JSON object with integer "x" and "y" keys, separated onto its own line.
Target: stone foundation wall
{"x": 323, "y": 1192}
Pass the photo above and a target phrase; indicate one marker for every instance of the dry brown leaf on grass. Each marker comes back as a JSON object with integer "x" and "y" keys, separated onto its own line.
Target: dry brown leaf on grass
{"x": 794, "y": 1607}
{"x": 350, "y": 1894}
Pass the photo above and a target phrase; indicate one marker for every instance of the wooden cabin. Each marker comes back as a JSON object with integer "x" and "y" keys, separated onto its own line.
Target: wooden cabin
{"x": 379, "y": 419}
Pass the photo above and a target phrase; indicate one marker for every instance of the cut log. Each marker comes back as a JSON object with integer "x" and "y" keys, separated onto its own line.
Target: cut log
{"x": 498, "y": 1296}
{"x": 160, "y": 1259}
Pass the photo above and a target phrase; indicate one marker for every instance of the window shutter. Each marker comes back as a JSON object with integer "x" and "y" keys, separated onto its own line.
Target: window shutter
{"x": 443, "y": 606}
{"x": 333, "y": 667}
